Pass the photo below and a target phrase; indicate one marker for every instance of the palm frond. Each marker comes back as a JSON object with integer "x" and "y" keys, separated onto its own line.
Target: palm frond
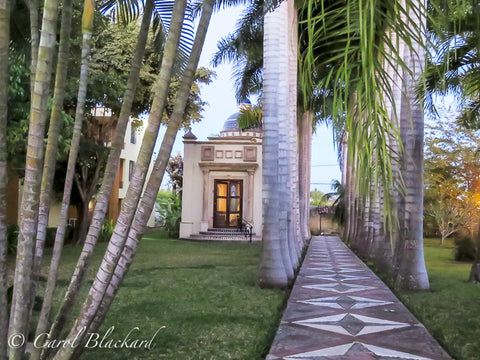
{"x": 250, "y": 117}
{"x": 127, "y": 11}
{"x": 355, "y": 45}
{"x": 244, "y": 48}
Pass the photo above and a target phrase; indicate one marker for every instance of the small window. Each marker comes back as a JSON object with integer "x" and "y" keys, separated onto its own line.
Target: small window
{"x": 130, "y": 169}
{"x": 133, "y": 135}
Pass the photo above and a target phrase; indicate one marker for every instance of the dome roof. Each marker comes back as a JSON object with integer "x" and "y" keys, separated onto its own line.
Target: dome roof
{"x": 231, "y": 123}
{"x": 244, "y": 101}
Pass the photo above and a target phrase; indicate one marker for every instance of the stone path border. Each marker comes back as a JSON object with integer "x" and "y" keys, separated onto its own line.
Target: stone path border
{"x": 339, "y": 309}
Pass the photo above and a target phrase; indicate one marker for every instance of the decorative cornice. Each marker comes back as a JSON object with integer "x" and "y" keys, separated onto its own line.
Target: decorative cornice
{"x": 234, "y": 166}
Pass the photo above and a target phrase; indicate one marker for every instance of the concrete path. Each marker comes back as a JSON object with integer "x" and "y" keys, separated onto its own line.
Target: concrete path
{"x": 339, "y": 309}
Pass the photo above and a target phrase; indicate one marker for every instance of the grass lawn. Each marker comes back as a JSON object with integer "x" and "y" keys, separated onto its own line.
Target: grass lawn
{"x": 204, "y": 295}
{"x": 451, "y": 309}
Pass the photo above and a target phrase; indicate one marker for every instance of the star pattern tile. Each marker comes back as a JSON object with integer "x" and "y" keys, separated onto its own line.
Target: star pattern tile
{"x": 345, "y": 302}
{"x": 343, "y": 350}
{"x": 346, "y": 306}
{"x": 339, "y": 277}
{"x": 351, "y": 324}
{"x": 340, "y": 287}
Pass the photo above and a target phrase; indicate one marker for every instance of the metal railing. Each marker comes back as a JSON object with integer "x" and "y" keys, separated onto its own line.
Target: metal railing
{"x": 246, "y": 228}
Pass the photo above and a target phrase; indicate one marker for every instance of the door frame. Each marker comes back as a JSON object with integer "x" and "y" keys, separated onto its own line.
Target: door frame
{"x": 228, "y": 198}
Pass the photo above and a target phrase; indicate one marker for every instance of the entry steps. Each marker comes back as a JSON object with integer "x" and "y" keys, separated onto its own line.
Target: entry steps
{"x": 227, "y": 234}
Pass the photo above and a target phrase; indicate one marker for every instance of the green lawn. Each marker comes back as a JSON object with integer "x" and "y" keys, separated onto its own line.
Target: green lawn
{"x": 203, "y": 293}
{"x": 451, "y": 309}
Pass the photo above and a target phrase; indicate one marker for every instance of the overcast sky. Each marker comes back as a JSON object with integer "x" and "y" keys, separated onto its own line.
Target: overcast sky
{"x": 221, "y": 104}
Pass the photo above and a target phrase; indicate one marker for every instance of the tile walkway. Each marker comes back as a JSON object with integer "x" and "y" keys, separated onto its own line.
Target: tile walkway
{"x": 339, "y": 309}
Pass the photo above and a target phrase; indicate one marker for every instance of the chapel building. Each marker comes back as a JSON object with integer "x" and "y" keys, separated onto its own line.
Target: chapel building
{"x": 222, "y": 183}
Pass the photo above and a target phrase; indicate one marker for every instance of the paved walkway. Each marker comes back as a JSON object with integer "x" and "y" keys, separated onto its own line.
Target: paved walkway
{"x": 339, "y": 309}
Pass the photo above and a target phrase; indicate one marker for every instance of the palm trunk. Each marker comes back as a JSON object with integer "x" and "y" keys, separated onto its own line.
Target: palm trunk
{"x": 34, "y": 13}
{"x": 113, "y": 161}
{"x": 272, "y": 272}
{"x": 130, "y": 203}
{"x": 4, "y": 42}
{"x": 296, "y": 239}
{"x": 148, "y": 199}
{"x": 412, "y": 273}
{"x": 33, "y": 171}
{"x": 87, "y": 26}
{"x": 304, "y": 162}
{"x": 52, "y": 143}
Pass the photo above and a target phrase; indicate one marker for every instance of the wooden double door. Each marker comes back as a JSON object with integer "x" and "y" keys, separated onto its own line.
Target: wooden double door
{"x": 227, "y": 211}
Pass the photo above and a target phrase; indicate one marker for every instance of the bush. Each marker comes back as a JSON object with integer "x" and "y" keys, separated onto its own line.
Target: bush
{"x": 12, "y": 237}
{"x": 170, "y": 211}
{"x": 107, "y": 230}
{"x": 464, "y": 249}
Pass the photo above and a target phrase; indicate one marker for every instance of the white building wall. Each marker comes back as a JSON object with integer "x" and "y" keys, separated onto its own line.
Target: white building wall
{"x": 129, "y": 155}
{"x": 228, "y": 163}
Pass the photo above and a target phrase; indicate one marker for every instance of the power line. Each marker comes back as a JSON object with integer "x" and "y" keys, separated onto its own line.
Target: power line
{"x": 321, "y": 165}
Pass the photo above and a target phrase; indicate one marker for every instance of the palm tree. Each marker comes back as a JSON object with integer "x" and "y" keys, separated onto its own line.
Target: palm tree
{"x": 412, "y": 273}
{"x": 275, "y": 268}
{"x": 148, "y": 200}
{"x": 244, "y": 49}
{"x": 52, "y": 142}
{"x": 4, "y": 44}
{"x": 160, "y": 90}
{"x": 117, "y": 243}
{"x": 29, "y": 210}
{"x": 47, "y": 302}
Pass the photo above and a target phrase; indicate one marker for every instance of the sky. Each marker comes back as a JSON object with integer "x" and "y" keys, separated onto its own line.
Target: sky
{"x": 220, "y": 96}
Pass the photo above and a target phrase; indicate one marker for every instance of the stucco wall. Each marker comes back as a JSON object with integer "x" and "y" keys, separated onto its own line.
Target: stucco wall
{"x": 228, "y": 162}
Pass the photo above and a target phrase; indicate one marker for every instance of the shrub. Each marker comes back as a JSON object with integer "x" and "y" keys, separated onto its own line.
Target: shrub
{"x": 170, "y": 211}
{"x": 464, "y": 249}
{"x": 107, "y": 230}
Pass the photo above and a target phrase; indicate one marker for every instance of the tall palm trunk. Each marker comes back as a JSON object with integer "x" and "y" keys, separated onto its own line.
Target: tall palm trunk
{"x": 135, "y": 189}
{"x": 87, "y": 27}
{"x": 113, "y": 161}
{"x": 412, "y": 273}
{"x": 304, "y": 163}
{"x": 283, "y": 117}
{"x": 4, "y": 41}
{"x": 294, "y": 221}
{"x": 410, "y": 269}
{"x": 34, "y": 12}
{"x": 148, "y": 199}
{"x": 272, "y": 272}
{"x": 33, "y": 171}
{"x": 53, "y": 132}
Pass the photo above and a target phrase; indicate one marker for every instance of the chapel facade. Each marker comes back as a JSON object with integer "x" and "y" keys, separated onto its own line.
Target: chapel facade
{"x": 222, "y": 182}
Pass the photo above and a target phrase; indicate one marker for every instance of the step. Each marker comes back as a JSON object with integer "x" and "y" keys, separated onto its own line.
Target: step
{"x": 230, "y": 233}
{"x": 218, "y": 237}
{"x": 223, "y": 230}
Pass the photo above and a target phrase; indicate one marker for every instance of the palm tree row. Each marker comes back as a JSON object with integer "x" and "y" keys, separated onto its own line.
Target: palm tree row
{"x": 351, "y": 74}
{"x": 19, "y": 322}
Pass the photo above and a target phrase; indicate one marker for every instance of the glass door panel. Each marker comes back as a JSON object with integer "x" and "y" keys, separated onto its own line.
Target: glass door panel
{"x": 227, "y": 203}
